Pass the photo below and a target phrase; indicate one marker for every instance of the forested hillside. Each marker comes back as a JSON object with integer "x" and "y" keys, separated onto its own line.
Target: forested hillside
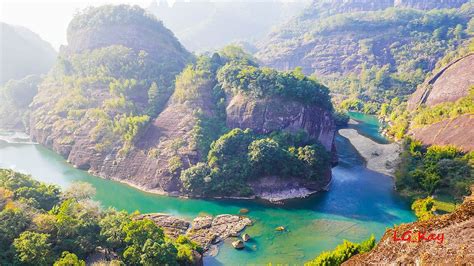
{"x": 42, "y": 225}
{"x": 118, "y": 108}
{"x": 368, "y": 57}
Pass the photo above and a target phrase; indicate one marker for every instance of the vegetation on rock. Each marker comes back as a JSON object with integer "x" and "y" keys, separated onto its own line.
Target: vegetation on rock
{"x": 342, "y": 252}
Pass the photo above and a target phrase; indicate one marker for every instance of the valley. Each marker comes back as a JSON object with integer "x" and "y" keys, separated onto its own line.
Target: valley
{"x": 359, "y": 203}
{"x": 206, "y": 134}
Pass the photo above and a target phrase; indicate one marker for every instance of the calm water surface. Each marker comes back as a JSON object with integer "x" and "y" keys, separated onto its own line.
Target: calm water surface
{"x": 359, "y": 203}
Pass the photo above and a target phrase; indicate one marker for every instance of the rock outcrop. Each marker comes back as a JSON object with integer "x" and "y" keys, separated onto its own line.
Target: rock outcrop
{"x": 453, "y": 245}
{"x": 88, "y": 124}
{"x": 207, "y": 231}
{"x": 449, "y": 84}
{"x": 272, "y": 114}
{"x": 458, "y": 131}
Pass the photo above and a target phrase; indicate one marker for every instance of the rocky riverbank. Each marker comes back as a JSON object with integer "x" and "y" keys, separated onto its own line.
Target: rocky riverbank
{"x": 276, "y": 189}
{"x": 382, "y": 158}
{"x": 207, "y": 231}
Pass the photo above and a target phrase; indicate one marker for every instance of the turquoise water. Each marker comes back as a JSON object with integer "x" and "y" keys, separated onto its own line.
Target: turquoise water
{"x": 368, "y": 125}
{"x": 360, "y": 202}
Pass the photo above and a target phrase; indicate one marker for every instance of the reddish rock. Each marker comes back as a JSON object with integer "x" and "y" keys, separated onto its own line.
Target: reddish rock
{"x": 458, "y": 132}
{"x": 456, "y": 229}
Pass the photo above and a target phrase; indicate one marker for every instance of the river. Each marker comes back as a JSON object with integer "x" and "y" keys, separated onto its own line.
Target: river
{"x": 359, "y": 203}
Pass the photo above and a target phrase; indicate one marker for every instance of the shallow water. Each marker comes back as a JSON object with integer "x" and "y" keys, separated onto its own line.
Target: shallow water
{"x": 359, "y": 203}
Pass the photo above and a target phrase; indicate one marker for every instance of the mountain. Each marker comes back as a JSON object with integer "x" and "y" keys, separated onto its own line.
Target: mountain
{"x": 442, "y": 107}
{"x": 206, "y": 26}
{"x": 444, "y": 239}
{"x": 127, "y": 102}
{"x": 23, "y": 53}
{"x": 369, "y": 50}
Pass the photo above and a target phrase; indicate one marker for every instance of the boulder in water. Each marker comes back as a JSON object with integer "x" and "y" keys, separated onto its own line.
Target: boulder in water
{"x": 238, "y": 244}
{"x": 280, "y": 228}
{"x": 245, "y": 237}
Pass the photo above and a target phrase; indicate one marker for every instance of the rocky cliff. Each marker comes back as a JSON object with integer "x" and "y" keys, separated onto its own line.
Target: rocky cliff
{"x": 272, "y": 114}
{"x": 442, "y": 240}
{"x": 447, "y": 86}
{"x": 107, "y": 108}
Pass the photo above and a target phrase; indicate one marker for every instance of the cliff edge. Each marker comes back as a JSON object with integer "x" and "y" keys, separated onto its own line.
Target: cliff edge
{"x": 442, "y": 240}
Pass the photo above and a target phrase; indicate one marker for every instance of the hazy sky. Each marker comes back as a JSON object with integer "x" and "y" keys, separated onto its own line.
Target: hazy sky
{"x": 49, "y": 18}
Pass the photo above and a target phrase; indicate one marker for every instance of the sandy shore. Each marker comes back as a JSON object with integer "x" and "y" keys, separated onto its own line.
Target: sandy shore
{"x": 382, "y": 158}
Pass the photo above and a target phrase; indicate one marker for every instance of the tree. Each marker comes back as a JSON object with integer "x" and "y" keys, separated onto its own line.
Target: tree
{"x": 458, "y": 32}
{"x": 69, "y": 259}
{"x": 470, "y": 27}
{"x": 80, "y": 191}
{"x": 423, "y": 208}
{"x": 146, "y": 244}
{"x": 112, "y": 229}
{"x": 33, "y": 248}
{"x": 196, "y": 178}
{"x": 12, "y": 223}
{"x": 266, "y": 157}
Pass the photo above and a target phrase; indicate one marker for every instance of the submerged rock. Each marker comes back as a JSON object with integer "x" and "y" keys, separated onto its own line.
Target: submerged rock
{"x": 238, "y": 244}
{"x": 244, "y": 211}
{"x": 280, "y": 228}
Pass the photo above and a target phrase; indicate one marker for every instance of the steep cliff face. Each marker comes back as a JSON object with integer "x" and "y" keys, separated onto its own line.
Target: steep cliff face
{"x": 115, "y": 106}
{"x": 448, "y": 86}
{"x": 272, "y": 114}
{"x": 451, "y": 242}
{"x": 457, "y": 131}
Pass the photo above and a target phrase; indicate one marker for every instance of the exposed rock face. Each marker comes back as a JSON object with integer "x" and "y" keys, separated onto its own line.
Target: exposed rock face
{"x": 167, "y": 144}
{"x": 458, "y": 132}
{"x": 204, "y": 230}
{"x": 447, "y": 85}
{"x": 429, "y": 4}
{"x": 456, "y": 248}
{"x": 268, "y": 115}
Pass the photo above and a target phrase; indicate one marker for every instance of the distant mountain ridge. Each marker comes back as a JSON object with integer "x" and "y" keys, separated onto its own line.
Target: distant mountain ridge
{"x": 23, "y": 53}
{"x": 331, "y": 7}
{"x": 210, "y": 25}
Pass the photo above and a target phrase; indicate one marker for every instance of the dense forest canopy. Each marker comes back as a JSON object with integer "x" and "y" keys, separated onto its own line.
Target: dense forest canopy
{"x": 41, "y": 224}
